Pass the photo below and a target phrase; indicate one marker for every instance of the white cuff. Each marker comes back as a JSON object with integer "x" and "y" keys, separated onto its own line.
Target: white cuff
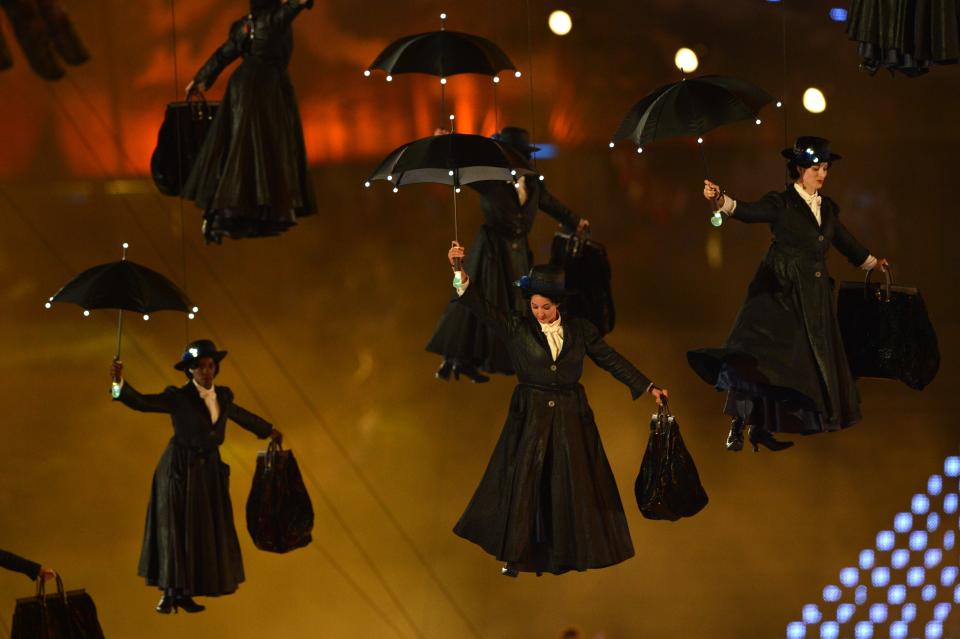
{"x": 729, "y": 205}
{"x": 869, "y": 263}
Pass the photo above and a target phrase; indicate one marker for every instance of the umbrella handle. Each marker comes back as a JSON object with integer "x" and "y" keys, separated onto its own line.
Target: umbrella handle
{"x": 115, "y": 386}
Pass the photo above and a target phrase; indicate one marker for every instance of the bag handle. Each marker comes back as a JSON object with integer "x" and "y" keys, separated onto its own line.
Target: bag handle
{"x": 888, "y": 276}
{"x": 274, "y": 447}
{"x": 663, "y": 415}
{"x": 42, "y": 589}
{"x": 197, "y": 101}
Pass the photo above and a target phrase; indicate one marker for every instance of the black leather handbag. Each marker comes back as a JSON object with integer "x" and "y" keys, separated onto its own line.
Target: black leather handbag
{"x": 668, "y": 485}
{"x": 279, "y": 512}
{"x": 185, "y": 126}
{"x": 69, "y": 614}
{"x": 887, "y": 332}
{"x": 588, "y": 273}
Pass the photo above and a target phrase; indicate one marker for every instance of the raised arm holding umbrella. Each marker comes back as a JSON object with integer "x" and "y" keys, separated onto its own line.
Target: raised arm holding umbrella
{"x": 190, "y": 546}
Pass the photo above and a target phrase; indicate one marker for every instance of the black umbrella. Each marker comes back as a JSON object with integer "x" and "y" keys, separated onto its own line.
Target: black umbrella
{"x": 690, "y": 108}
{"x": 443, "y": 54}
{"x": 454, "y": 159}
{"x": 124, "y": 286}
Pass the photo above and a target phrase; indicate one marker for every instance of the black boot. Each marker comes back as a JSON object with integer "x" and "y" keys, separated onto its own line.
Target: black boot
{"x": 735, "y": 436}
{"x": 188, "y": 604}
{"x": 470, "y": 371}
{"x": 763, "y": 437}
{"x": 509, "y": 570}
{"x": 443, "y": 373}
{"x": 167, "y": 604}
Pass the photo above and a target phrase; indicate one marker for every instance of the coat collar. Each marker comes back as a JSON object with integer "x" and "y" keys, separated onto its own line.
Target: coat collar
{"x": 796, "y": 201}
{"x": 191, "y": 390}
{"x": 538, "y": 335}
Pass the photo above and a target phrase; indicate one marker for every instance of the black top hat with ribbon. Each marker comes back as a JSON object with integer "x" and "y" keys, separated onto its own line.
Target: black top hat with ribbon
{"x": 547, "y": 280}
{"x": 516, "y": 138}
{"x": 197, "y": 349}
{"x": 809, "y": 150}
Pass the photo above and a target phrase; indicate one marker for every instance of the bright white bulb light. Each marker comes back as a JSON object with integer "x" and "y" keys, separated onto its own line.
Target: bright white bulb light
{"x": 450, "y": 173}
{"x": 125, "y": 245}
{"x": 47, "y": 305}
{"x": 758, "y": 121}
{"x": 443, "y": 80}
{"x": 389, "y": 78}
{"x": 611, "y": 145}
{"x": 457, "y": 190}
{"x": 452, "y": 117}
{"x": 443, "y": 16}
{"x": 639, "y": 149}
{"x": 396, "y": 190}
{"x": 86, "y": 313}
{"x": 513, "y": 171}
{"x": 686, "y": 60}
{"x": 699, "y": 140}
{"x": 146, "y": 317}
{"x": 496, "y": 79}
{"x": 814, "y": 100}
{"x": 190, "y": 316}
{"x": 779, "y": 104}
{"x": 367, "y": 184}
{"x": 516, "y": 185}
{"x": 195, "y": 309}
{"x": 560, "y": 22}
{"x": 541, "y": 178}
{"x": 389, "y": 178}
{"x": 517, "y": 74}
{"x": 366, "y": 73}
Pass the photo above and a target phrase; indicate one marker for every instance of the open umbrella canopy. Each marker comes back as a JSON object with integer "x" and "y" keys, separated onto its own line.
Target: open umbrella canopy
{"x": 454, "y": 158}
{"x": 691, "y": 107}
{"x": 442, "y": 53}
{"x": 123, "y": 285}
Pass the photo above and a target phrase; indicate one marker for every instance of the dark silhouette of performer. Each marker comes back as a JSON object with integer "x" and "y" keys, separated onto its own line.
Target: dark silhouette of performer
{"x": 251, "y": 176}
{"x": 190, "y": 546}
{"x": 500, "y": 255}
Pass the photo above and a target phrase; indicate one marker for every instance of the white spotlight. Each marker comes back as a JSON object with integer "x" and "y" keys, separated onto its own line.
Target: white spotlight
{"x": 560, "y": 22}
{"x": 686, "y": 60}
{"x": 814, "y": 100}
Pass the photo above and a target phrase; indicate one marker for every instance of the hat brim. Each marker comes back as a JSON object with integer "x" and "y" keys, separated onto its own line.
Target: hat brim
{"x": 183, "y": 364}
{"x": 551, "y": 293}
{"x": 788, "y": 154}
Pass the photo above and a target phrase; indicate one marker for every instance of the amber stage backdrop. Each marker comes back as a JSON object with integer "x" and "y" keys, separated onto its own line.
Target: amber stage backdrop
{"x": 326, "y": 325}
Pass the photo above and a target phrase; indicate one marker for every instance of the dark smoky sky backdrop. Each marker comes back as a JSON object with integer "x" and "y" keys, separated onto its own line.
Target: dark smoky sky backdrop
{"x": 326, "y": 325}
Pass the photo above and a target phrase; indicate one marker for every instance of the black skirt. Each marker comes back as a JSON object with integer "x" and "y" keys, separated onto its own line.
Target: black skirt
{"x": 189, "y": 540}
{"x": 251, "y": 174}
{"x": 548, "y": 501}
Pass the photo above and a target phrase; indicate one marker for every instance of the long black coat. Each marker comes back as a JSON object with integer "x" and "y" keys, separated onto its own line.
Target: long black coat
{"x": 785, "y": 345}
{"x": 189, "y": 540}
{"x": 548, "y": 501}
{"x": 499, "y": 256}
{"x": 251, "y": 173}
{"x": 17, "y": 563}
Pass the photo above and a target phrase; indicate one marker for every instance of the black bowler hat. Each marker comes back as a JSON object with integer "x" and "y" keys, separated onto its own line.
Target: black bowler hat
{"x": 197, "y": 349}
{"x": 545, "y": 279}
{"x": 516, "y": 138}
{"x": 810, "y": 150}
